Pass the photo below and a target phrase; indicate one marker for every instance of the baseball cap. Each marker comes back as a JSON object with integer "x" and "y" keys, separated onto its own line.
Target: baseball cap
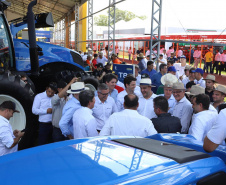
{"x": 9, "y": 105}
{"x": 198, "y": 70}
{"x": 182, "y": 56}
{"x": 172, "y": 68}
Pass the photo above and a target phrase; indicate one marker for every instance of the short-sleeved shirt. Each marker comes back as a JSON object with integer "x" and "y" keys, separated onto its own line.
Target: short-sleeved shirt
{"x": 102, "y": 60}
{"x": 150, "y": 73}
{"x": 209, "y": 56}
{"x": 128, "y": 123}
{"x": 201, "y": 82}
{"x": 217, "y": 134}
{"x": 6, "y": 137}
{"x": 102, "y": 111}
{"x": 202, "y": 122}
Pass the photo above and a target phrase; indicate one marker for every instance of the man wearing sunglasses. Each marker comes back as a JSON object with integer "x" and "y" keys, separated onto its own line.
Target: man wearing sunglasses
{"x": 104, "y": 106}
{"x": 183, "y": 108}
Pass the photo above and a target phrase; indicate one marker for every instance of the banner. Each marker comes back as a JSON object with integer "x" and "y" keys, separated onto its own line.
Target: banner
{"x": 122, "y": 70}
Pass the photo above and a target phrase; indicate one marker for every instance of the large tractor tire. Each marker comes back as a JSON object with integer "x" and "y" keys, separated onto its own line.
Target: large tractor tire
{"x": 14, "y": 89}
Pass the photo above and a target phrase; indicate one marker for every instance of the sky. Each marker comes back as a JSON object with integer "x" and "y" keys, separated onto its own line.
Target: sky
{"x": 193, "y": 14}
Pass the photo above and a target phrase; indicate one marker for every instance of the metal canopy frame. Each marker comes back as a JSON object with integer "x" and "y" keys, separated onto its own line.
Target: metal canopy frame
{"x": 156, "y": 19}
{"x": 90, "y": 23}
{"x": 111, "y": 27}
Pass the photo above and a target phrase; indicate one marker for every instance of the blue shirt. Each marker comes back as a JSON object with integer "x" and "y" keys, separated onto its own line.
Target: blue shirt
{"x": 150, "y": 73}
{"x": 156, "y": 79}
{"x": 114, "y": 94}
{"x": 66, "y": 123}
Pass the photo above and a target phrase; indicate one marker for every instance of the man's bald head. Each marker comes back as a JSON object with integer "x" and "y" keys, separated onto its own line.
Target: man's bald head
{"x": 131, "y": 101}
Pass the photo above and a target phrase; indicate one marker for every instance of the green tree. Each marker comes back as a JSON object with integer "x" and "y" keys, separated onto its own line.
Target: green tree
{"x": 102, "y": 20}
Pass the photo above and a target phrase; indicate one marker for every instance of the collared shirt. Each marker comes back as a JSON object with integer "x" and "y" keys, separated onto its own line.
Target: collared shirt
{"x": 201, "y": 82}
{"x": 165, "y": 123}
{"x": 179, "y": 68}
{"x": 57, "y": 108}
{"x": 40, "y": 105}
{"x": 183, "y": 110}
{"x": 217, "y": 134}
{"x": 156, "y": 79}
{"x": 102, "y": 60}
{"x": 142, "y": 65}
{"x": 164, "y": 56}
{"x": 197, "y": 54}
{"x": 146, "y": 107}
{"x": 163, "y": 60}
{"x": 138, "y": 80}
{"x": 6, "y": 137}
{"x": 128, "y": 123}
{"x": 66, "y": 122}
{"x": 171, "y": 101}
{"x": 84, "y": 123}
{"x": 218, "y": 57}
{"x": 114, "y": 94}
{"x": 121, "y": 95}
{"x": 217, "y": 108}
{"x": 169, "y": 52}
{"x": 102, "y": 111}
{"x": 150, "y": 73}
{"x": 202, "y": 122}
{"x": 212, "y": 108}
{"x": 223, "y": 57}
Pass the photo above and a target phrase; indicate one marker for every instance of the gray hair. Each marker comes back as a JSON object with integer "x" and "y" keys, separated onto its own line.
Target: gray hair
{"x": 102, "y": 86}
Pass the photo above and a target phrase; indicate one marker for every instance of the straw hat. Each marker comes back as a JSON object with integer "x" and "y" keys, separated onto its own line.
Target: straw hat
{"x": 169, "y": 78}
{"x": 141, "y": 55}
{"x": 179, "y": 86}
{"x": 195, "y": 90}
{"x": 168, "y": 84}
{"x": 90, "y": 87}
{"x": 210, "y": 77}
{"x": 221, "y": 89}
{"x": 146, "y": 81}
{"x": 77, "y": 87}
{"x": 187, "y": 67}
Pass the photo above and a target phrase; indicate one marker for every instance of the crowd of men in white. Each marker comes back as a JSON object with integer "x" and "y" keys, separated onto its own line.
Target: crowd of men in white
{"x": 136, "y": 111}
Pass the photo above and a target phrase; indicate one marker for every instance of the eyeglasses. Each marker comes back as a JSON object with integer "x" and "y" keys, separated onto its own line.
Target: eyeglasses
{"x": 177, "y": 92}
{"x": 103, "y": 93}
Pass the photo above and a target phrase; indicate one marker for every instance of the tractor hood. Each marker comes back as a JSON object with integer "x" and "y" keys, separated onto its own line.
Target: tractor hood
{"x": 49, "y": 53}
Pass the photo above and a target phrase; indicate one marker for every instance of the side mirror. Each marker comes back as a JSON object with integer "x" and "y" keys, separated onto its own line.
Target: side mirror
{"x": 44, "y": 20}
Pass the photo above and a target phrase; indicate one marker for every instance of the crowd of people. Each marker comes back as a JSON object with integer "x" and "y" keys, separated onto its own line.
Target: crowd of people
{"x": 177, "y": 99}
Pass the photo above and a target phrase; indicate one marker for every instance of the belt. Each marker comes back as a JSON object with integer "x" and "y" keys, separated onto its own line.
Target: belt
{"x": 46, "y": 123}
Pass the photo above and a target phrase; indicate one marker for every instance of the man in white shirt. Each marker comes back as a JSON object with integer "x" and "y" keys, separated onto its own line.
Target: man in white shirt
{"x": 137, "y": 75}
{"x": 162, "y": 60}
{"x": 8, "y": 138}
{"x": 203, "y": 119}
{"x": 101, "y": 58}
{"x": 199, "y": 77}
{"x": 84, "y": 124}
{"x": 43, "y": 108}
{"x": 164, "y": 54}
{"x": 104, "y": 106}
{"x": 217, "y": 134}
{"x": 130, "y": 85}
{"x": 180, "y": 66}
{"x": 111, "y": 80}
{"x": 183, "y": 108}
{"x": 146, "y": 107}
{"x": 128, "y": 122}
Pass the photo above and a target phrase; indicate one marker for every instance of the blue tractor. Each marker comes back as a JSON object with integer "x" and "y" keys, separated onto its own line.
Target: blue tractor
{"x": 40, "y": 62}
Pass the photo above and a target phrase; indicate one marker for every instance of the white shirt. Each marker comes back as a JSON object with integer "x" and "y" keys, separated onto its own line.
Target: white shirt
{"x": 183, "y": 110}
{"x": 179, "y": 68}
{"x": 84, "y": 57}
{"x": 217, "y": 134}
{"x": 163, "y": 60}
{"x": 128, "y": 123}
{"x": 201, "y": 82}
{"x": 84, "y": 124}
{"x": 172, "y": 102}
{"x": 185, "y": 80}
{"x": 212, "y": 108}
{"x": 146, "y": 107}
{"x": 202, "y": 122}
{"x": 164, "y": 56}
{"x": 121, "y": 95}
{"x": 138, "y": 80}
{"x": 102, "y": 111}
{"x": 40, "y": 105}
{"x": 6, "y": 137}
{"x": 102, "y": 60}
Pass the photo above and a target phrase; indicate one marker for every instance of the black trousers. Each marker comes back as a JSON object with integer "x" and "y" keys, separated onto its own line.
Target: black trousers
{"x": 45, "y": 133}
{"x": 216, "y": 65}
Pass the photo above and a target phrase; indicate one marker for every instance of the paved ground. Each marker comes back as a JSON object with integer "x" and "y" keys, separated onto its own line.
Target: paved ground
{"x": 220, "y": 79}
